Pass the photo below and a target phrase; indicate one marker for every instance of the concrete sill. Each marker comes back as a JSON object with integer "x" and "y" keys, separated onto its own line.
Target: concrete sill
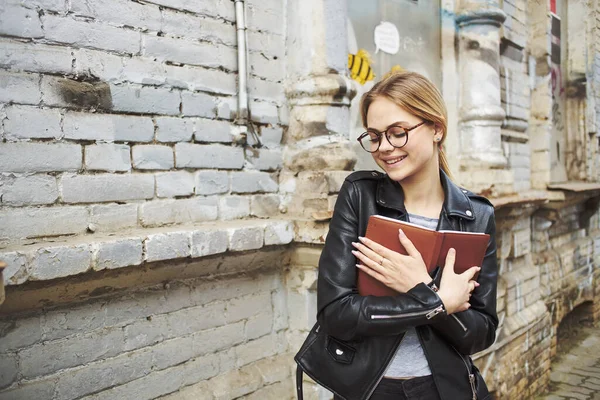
{"x": 47, "y": 260}
{"x": 575, "y": 186}
{"x": 532, "y": 197}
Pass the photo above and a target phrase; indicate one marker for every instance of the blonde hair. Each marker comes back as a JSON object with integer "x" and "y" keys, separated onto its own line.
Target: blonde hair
{"x": 417, "y": 95}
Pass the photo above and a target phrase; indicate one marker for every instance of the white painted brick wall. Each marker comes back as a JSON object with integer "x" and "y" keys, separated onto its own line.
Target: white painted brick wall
{"x": 107, "y": 157}
{"x": 27, "y": 190}
{"x": 108, "y": 127}
{"x": 151, "y": 156}
{"x": 266, "y": 67}
{"x": 40, "y": 222}
{"x": 176, "y": 183}
{"x": 226, "y": 107}
{"x": 266, "y": 90}
{"x": 268, "y": 43}
{"x": 212, "y": 131}
{"x": 234, "y": 207}
{"x": 208, "y": 243}
{"x": 145, "y": 71}
{"x": 39, "y": 157}
{"x": 211, "y": 182}
{"x": 267, "y": 15}
{"x": 271, "y": 136}
{"x": 197, "y": 104}
{"x": 171, "y": 130}
{"x": 19, "y": 21}
{"x": 21, "y": 88}
{"x": 105, "y": 66}
{"x": 167, "y": 246}
{"x": 280, "y": 233}
{"x": 59, "y": 6}
{"x": 113, "y": 217}
{"x": 188, "y": 155}
{"x": 117, "y": 254}
{"x": 15, "y": 272}
{"x": 246, "y": 239}
{"x": 25, "y": 122}
{"x": 195, "y": 78}
{"x": 35, "y": 57}
{"x": 199, "y": 27}
{"x": 119, "y": 12}
{"x": 163, "y": 212}
{"x": 264, "y": 112}
{"x": 265, "y": 159}
{"x": 90, "y": 34}
{"x": 78, "y": 351}
{"x": 145, "y": 100}
{"x": 51, "y": 263}
{"x": 218, "y": 8}
{"x": 187, "y": 333}
{"x": 106, "y": 187}
{"x": 188, "y": 52}
{"x": 252, "y": 182}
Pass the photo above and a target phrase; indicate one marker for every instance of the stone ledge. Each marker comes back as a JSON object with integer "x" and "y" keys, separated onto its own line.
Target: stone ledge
{"x": 59, "y": 258}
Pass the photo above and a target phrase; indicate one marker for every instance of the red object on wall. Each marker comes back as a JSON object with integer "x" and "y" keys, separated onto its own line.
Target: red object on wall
{"x": 553, "y": 6}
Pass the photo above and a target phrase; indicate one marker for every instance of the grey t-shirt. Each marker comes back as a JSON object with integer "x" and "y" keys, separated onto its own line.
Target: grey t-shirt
{"x": 410, "y": 359}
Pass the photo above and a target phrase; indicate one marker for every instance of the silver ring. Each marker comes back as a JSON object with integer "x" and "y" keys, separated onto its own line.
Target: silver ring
{"x": 381, "y": 262}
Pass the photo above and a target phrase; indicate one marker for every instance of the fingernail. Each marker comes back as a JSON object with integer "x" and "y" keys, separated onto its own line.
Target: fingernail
{"x": 361, "y": 238}
{"x": 354, "y": 243}
{"x": 354, "y": 252}
{"x": 401, "y": 232}
{"x": 451, "y": 251}
{"x": 359, "y": 266}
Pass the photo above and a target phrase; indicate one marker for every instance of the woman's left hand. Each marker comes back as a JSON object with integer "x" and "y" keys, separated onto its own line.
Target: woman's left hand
{"x": 397, "y": 271}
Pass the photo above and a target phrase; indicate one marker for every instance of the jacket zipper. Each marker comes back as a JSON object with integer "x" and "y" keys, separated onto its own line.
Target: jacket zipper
{"x": 386, "y": 367}
{"x": 428, "y": 314}
{"x": 471, "y": 376}
{"x": 464, "y": 328}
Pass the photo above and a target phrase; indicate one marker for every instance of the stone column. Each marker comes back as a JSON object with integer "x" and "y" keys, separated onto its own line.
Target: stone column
{"x": 480, "y": 110}
{"x": 317, "y": 88}
{"x": 317, "y": 151}
{"x": 319, "y": 94}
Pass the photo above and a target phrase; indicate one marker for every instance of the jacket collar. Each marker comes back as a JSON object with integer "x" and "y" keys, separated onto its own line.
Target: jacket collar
{"x": 456, "y": 202}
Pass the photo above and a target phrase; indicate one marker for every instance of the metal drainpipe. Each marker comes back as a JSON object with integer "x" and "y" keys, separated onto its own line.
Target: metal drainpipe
{"x": 243, "y": 120}
{"x": 242, "y": 114}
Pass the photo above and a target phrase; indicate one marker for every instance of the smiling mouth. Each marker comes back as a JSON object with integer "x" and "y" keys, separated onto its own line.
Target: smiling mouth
{"x": 395, "y": 160}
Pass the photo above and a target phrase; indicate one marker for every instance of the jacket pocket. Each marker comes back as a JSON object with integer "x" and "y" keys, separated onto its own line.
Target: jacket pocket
{"x": 340, "y": 351}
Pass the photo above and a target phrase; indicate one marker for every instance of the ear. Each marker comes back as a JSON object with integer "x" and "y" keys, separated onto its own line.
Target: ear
{"x": 438, "y": 133}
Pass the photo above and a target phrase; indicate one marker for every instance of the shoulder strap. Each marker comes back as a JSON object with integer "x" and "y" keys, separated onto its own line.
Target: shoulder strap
{"x": 299, "y": 382}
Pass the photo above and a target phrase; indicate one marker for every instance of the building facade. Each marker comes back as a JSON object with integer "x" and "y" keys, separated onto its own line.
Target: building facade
{"x": 161, "y": 226}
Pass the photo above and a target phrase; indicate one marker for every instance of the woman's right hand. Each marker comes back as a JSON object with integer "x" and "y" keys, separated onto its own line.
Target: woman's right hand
{"x": 455, "y": 289}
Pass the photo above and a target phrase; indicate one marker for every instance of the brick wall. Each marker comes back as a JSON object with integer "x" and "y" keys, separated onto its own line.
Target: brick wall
{"x": 120, "y": 162}
{"x": 142, "y": 344}
{"x": 127, "y": 105}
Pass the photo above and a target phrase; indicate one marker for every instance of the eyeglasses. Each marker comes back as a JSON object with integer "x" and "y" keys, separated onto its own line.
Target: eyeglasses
{"x": 396, "y": 135}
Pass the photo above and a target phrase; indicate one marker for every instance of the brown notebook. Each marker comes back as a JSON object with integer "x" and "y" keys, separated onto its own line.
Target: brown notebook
{"x": 433, "y": 245}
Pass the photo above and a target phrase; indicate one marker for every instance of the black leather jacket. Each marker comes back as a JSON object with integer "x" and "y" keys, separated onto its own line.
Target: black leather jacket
{"x": 446, "y": 340}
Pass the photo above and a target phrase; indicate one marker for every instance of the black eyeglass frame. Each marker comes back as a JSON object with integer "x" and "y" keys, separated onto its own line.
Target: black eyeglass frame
{"x": 384, "y": 133}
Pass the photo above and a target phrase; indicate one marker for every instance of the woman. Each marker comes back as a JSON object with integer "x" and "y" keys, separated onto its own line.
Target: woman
{"x": 414, "y": 354}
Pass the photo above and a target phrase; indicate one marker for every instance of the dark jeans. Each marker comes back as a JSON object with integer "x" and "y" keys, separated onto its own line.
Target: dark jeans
{"x": 421, "y": 388}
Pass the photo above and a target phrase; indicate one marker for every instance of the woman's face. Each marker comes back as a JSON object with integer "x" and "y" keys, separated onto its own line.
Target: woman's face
{"x": 418, "y": 157}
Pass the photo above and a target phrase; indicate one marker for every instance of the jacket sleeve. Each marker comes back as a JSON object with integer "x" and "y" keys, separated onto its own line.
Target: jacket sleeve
{"x": 342, "y": 312}
{"x": 474, "y": 330}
